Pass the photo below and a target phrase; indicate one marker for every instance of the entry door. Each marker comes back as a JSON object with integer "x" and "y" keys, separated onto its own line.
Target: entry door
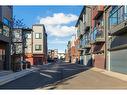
{"x": 2, "y": 58}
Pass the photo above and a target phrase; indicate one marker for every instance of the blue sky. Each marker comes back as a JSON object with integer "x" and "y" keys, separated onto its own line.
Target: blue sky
{"x": 59, "y": 21}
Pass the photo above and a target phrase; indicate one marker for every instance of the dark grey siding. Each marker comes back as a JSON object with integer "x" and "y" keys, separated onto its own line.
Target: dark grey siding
{"x": 118, "y": 61}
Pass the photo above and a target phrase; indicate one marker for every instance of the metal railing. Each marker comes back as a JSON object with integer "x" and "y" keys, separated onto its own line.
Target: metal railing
{"x": 118, "y": 16}
{"x": 97, "y": 33}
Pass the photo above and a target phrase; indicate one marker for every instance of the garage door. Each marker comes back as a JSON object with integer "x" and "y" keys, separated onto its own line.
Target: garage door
{"x": 118, "y": 61}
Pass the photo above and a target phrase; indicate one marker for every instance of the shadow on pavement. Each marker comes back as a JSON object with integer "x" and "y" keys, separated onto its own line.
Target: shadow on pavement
{"x": 40, "y": 79}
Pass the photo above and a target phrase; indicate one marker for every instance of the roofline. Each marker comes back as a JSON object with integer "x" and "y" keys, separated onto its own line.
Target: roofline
{"x": 83, "y": 9}
{"x": 38, "y": 25}
{"x": 28, "y": 29}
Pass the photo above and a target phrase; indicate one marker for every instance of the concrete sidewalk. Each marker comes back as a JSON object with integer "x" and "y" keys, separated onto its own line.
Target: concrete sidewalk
{"x": 93, "y": 78}
{"x": 8, "y": 77}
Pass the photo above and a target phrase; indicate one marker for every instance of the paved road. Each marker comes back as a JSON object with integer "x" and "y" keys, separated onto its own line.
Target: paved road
{"x": 47, "y": 74}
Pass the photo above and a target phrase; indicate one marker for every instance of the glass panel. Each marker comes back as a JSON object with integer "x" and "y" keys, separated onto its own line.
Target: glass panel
{"x": 117, "y": 16}
{"x": 38, "y": 35}
{"x": 17, "y": 35}
{"x": 37, "y": 47}
{"x": 5, "y": 31}
{"x": 18, "y": 48}
{"x": 6, "y": 21}
{"x": 1, "y": 28}
{"x": 125, "y": 11}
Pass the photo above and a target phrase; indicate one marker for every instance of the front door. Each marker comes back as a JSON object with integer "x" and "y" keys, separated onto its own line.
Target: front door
{"x": 2, "y": 58}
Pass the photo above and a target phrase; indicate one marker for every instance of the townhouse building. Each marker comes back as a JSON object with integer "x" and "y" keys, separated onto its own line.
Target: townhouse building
{"x": 39, "y": 44}
{"x": 61, "y": 56}
{"x": 6, "y": 24}
{"x": 68, "y": 52}
{"x": 77, "y": 52}
{"x": 22, "y": 45}
{"x": 73, "y": 49}
{"x": 28, "y": 45}
{"x": 83, "y": 32}
{"x": 66, "y": 55}
{"x": 71, "y": 53}
{"x": 17, "y": 45}
{"x": 52, "y": 54}
{"x": 116, "y": 27}
{"x": 98, "y": 37}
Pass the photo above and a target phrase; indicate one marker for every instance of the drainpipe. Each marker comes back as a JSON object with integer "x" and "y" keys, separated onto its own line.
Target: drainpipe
{"x": 107, "y": 63}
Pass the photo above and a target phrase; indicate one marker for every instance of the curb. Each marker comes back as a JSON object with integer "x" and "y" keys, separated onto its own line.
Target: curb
{"x": 14, "y": 76}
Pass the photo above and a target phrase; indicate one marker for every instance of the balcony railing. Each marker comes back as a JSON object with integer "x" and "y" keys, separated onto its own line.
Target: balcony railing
{"x": 118, "y": 20}
{"x": 98, "y": 35}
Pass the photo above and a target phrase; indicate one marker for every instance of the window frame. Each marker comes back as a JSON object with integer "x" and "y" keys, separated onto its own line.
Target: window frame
{"x": 40, "y": 36}
{"x": 39, "y": 48}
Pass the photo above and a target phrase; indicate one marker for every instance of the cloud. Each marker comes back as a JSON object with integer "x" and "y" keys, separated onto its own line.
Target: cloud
{"x": 60, "y": 31}
{"x": 57, "y": 25}
{"x": 57, "y": 41}
{"x": 58, "y": 18}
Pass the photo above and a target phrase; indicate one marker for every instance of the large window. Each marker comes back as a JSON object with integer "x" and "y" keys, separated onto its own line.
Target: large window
{"x": 117, "y": 15}
{"x": 38, "y": 35}
{"x": 38, "y": 47}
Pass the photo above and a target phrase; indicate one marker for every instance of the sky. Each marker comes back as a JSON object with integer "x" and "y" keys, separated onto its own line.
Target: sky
{"x": 59, "y": 22}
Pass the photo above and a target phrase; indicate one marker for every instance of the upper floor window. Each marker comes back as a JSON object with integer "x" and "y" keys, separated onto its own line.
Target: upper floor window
{"x": 38, "y": 35}
{"x": 38, "y": 47}
{"x": 6, "y": 21}
{"x": 6, "y": 31}
{"x": 28, "y": 36}
{"x": 117, "y": 15}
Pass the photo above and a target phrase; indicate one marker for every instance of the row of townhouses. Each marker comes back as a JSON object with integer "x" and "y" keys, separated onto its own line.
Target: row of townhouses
{"x": 54, "y": 54}
{"x": 19, "y": 44}
{"x": 101, "y": 39}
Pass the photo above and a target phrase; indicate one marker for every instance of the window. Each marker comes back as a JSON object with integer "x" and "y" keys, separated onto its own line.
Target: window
{"x": 1, "y": 28}
{"x": 6, "y": 31}
{"x": 28, "y": 36}
{"x": 117, "y": 15}
{"x": 6, "y": 21}
{"x": 38, "y": 47}
{"x": 38, "y": 35}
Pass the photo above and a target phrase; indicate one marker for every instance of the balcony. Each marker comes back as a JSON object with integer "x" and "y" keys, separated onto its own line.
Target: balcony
{"x": 97, "y": 11}
{"x": 87, "y": 45}
{"x": 98, "y": 36}
{"x": 118, "y": 21}
{"x": 80, "y": 48}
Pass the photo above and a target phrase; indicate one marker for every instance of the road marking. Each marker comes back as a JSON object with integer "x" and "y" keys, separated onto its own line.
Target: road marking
{"x": 49, "y": 76}
{"x": 52, "y": 71}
